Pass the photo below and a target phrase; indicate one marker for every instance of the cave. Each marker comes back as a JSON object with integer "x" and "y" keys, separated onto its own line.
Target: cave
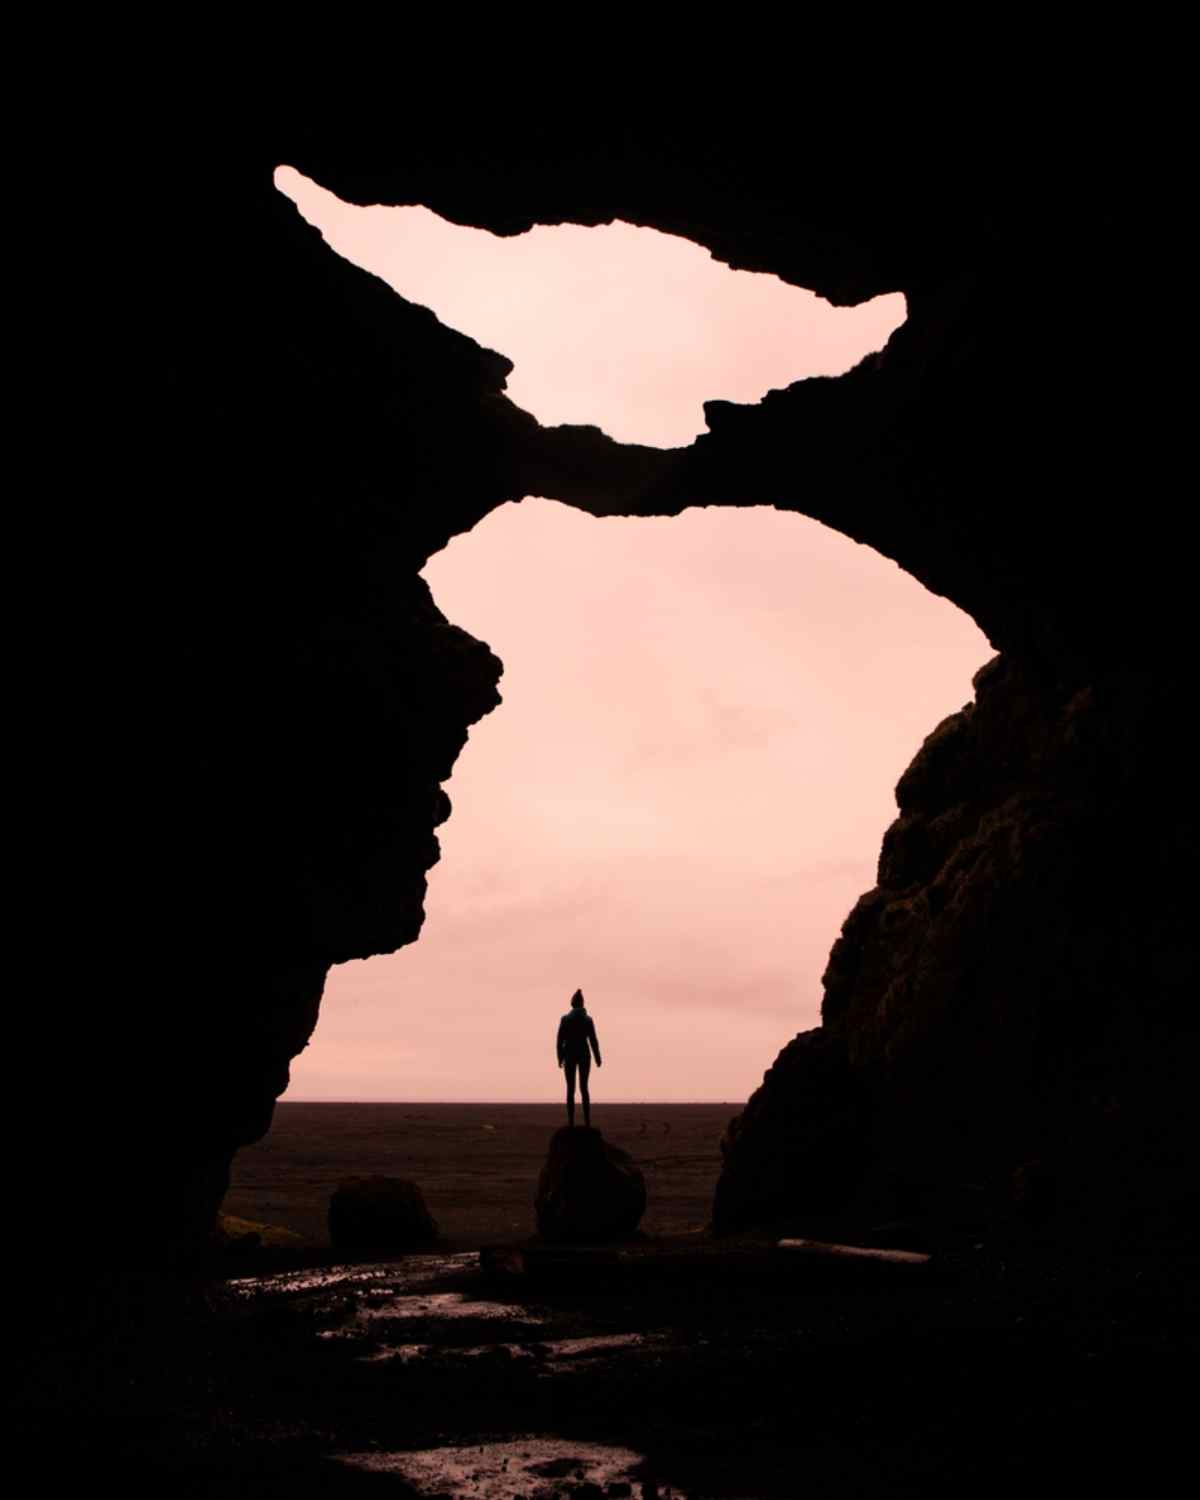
{"x": 1013, "y": 997}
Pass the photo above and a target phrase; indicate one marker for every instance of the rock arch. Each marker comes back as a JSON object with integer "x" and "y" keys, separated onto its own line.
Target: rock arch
{"x": 990, "y": 993}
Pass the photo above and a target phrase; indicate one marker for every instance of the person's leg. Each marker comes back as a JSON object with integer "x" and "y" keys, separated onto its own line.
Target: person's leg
{"x": 585, "y": 1067}
{"x": 569, "y": 1070}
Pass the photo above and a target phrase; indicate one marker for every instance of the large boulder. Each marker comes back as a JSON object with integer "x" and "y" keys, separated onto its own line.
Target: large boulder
{"x": 589, "y": 1189}
{"x": 800, "y": 1145}
{"x": 379, "y": 1213}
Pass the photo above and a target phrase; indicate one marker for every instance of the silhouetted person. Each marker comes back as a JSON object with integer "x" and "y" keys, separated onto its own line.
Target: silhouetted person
{"x": 576, "y": 1035}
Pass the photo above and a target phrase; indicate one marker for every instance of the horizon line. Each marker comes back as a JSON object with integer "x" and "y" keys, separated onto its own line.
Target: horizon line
{"x": 549, "y": 1103}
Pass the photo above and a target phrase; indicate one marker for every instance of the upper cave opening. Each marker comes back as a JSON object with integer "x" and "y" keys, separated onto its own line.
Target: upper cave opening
{"x": 623, "y": 328}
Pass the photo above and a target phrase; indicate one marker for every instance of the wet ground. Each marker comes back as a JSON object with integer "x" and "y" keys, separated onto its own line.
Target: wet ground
{"x": 681, "y": 1368}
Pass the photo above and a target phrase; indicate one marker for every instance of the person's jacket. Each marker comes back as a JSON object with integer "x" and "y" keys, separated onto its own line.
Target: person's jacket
{"x": 576, "y": 1033}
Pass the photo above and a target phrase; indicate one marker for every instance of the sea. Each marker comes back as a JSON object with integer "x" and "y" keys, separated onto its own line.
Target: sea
{"x": 476, "y": 1164}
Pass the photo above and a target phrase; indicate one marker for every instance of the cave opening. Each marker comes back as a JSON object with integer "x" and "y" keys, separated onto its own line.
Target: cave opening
{"x": 677, "y": 812}
{"x": 617, "y": 326}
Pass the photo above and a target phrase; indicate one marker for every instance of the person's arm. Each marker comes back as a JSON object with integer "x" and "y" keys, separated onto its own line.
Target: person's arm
{"x": 594, "y": 1042}
{"x": 558, "y": 1044}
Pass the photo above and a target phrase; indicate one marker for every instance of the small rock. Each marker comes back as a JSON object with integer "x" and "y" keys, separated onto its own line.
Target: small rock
{"x": 379, "y": 1213}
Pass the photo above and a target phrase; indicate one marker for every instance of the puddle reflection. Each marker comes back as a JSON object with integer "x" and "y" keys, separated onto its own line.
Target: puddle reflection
{"x": 537, "y": 1468}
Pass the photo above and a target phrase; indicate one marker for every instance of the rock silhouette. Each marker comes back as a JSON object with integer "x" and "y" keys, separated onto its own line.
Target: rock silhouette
{"x": 992, "y": 1000}
{"x": 801, "y": 1140}
{"x": 379, "y": 1213}
{"x": 588, "y": 1189}
{"x": 1033, "y": 893}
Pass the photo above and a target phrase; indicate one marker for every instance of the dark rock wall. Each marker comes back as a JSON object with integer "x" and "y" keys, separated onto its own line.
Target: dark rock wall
{"x": 286, "y": 699}
{"x": 1007, "y": 1000}
{"x": 309, "y": 440}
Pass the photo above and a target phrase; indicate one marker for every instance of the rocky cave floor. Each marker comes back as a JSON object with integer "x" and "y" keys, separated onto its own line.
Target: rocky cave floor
{"x": 689, "y": 1367}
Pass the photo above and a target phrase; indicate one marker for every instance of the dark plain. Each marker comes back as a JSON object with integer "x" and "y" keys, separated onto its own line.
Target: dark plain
{"x": 476, "y": 1164}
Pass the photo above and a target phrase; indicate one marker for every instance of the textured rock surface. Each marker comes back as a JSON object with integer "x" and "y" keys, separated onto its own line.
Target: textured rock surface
{"x": 379, "y": 1213}
{"x": 588, "y": 1189}
{"x": 801, "y": 1141}
{"x": 1000, "y": 1004}
{"x": 276, "y": 700}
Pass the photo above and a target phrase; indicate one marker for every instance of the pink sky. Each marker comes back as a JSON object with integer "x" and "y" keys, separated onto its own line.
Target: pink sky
{"x": 685, "y": 788}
